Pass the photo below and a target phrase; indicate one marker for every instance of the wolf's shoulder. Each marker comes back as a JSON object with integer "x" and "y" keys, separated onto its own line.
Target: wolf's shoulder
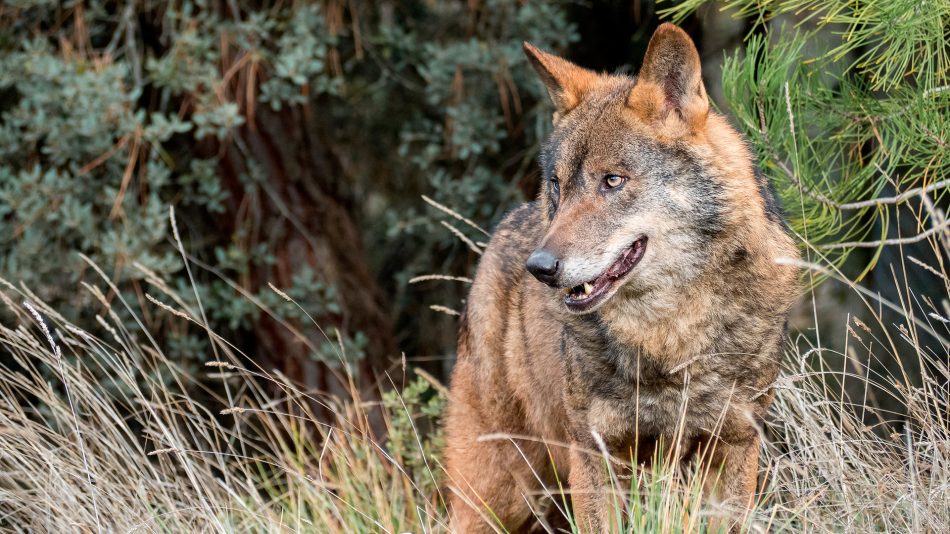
{"x": 513, "y": 239}
{"x": 526, "y": 217}
{"x": 521, "y": 228}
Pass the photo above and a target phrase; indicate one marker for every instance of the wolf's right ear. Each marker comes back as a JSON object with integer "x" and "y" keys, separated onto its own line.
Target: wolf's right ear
{"x": 566, "y": 82}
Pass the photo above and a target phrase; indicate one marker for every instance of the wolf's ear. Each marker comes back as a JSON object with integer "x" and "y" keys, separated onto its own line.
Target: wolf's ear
{"x": 671, "y": 79}
{"x": 566, "y": 82}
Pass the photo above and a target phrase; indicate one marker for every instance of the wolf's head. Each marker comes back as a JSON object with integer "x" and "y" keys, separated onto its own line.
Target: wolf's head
{"x": 641, "y": 180}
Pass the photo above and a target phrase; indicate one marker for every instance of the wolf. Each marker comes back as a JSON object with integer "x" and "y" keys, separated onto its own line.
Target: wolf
{"x": 640, "y": 299}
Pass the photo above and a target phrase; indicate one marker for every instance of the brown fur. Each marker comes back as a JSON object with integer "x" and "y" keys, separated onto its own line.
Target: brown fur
{"x": 686, "y": 350}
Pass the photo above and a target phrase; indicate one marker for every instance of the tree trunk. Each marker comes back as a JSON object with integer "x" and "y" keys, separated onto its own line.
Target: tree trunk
{"x": 303, "y": 214}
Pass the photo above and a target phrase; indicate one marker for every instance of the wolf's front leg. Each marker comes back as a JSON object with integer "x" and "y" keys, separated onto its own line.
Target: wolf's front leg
{"x": 734, "y": 485}
{"x": 491, "y": 485}
{"x": 589, "y": 492}
{"x": 492, "y": 481}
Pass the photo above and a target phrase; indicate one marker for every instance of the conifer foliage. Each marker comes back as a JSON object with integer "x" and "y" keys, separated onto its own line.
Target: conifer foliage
{"x": 848, "y": 106}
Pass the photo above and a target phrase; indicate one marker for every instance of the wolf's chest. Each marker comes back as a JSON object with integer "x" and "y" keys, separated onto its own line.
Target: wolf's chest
{"x": 672, "y": 405}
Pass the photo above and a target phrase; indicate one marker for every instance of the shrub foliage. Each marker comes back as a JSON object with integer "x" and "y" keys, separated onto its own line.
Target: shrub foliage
{"x": 291, "y": 138}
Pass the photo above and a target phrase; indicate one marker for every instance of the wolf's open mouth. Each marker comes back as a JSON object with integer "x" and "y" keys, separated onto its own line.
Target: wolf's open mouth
{"x": 587, "y": 295}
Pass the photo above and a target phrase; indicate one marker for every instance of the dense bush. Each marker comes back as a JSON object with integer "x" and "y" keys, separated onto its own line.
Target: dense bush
{"x": 285, "y": 136}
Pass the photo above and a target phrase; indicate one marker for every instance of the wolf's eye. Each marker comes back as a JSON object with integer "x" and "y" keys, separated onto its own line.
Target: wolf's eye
{"x": 612, "y": 181}
{"x": 555, "y": 185}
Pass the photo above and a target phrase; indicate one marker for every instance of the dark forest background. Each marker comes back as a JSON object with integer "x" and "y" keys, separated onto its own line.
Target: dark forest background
{"x": 295, "y": 142}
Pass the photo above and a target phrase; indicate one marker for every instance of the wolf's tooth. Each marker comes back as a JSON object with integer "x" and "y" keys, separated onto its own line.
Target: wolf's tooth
{"x": 588, "y": 288}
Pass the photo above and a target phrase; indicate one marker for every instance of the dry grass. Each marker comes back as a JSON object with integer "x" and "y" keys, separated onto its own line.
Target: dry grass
{"x": 132, "y": 448}
{"x": 107, "y": 433}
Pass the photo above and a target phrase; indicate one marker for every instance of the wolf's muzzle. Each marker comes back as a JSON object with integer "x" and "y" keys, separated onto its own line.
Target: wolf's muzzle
{"x": 544, "y": 266}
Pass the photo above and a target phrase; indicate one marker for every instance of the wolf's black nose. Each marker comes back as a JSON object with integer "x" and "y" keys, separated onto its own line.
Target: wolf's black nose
{"x": 544, "y": 266}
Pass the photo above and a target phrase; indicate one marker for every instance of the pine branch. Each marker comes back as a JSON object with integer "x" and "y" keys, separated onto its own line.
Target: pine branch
{"x": 773, "y": 153}
{"x": 883, "y": 242}
{"x": 895, "y": 199}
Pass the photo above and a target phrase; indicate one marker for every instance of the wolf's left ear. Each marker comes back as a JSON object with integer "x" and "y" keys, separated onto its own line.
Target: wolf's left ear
{"x": 670, "y": 80}
{"x": 566, "y": 82}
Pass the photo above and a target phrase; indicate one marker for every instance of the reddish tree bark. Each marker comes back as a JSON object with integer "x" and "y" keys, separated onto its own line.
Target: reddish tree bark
{"x": 307, "y": 219}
